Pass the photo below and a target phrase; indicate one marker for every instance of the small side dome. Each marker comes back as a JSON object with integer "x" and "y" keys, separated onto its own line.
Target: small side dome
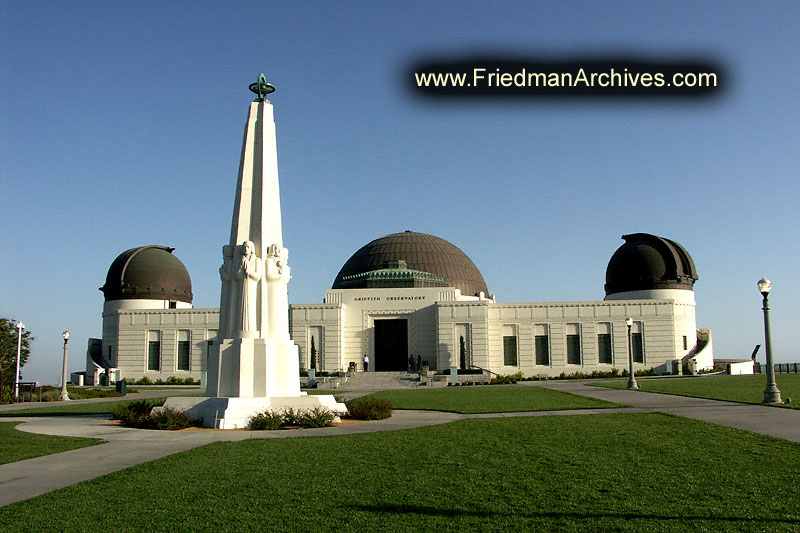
{"x": 646, "y": 262}
{"x": 148, "y": 273}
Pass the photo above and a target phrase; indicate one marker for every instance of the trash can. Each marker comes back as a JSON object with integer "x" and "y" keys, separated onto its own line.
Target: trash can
{"x": 122, "y": 387}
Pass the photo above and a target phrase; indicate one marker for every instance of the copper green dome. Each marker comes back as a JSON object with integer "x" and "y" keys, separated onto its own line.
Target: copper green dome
{"x": 148, "y": 273}
{"x": 646, "y": 262}
{"x": 420, "y": 252}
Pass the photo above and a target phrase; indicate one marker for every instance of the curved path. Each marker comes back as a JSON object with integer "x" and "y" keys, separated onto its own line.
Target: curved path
{"x": 126, "y": 447}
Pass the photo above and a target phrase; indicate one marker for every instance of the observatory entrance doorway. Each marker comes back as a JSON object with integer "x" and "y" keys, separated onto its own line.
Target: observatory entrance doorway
{"x": 391, "y": 345}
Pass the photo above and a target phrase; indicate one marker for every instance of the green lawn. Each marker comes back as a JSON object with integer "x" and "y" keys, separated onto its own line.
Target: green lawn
{"x": 18, "y": 445}
{"x": 489, "y": 399}
{"x": 745, "y": 389}
{"x": 602, "y": 472}
{"x": 74, "y": 409}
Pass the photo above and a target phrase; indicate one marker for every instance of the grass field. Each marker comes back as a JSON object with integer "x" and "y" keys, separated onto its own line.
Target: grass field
{"x": 745, "y": 389}
{"x": 68, "y": 409}
{"x": 492, "y": 399}
{"x": 18, "y": 445}
{"x": 578, "y": 473}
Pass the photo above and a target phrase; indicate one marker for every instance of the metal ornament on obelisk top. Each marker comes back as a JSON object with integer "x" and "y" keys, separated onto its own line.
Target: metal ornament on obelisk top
{"x": 253, "y": 365}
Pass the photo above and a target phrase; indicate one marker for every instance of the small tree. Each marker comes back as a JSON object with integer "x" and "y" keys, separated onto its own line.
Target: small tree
{"x": 463, "y": 352}
{"x": 8, "y": 354}
{"x": 313, "y": 354}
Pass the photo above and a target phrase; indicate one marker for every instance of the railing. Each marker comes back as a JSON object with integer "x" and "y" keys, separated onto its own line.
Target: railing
{"x": 780, "y": 368}
{"x": 484, "y": 370}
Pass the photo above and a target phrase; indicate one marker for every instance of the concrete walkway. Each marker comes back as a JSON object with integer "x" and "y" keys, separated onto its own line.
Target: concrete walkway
{"x": 128, "y": 447}
{"x": 783, "y": 423}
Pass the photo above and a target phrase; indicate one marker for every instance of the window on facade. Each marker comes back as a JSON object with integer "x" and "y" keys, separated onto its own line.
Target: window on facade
{"x": 604, "y": 348}
{"x": 153, "y": 350}
{"x": 509, "y": 346}
{"x": 604, "y": 355}
{"x": 542, "y": 350}
{"x": 173, "y": 305}
{"x": 509, "y": 350}
{"x": 638, "y": 348}
{"x": 685, "y": 343}
{"x": 184, "y": 349}
{"x": 573, "y": 345}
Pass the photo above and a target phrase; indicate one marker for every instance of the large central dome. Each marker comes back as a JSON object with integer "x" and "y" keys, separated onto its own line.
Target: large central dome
{"x": 420, "y": 251}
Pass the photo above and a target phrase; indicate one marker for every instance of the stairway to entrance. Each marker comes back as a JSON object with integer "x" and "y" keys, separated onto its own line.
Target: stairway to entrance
{"x": 384, "y": 381}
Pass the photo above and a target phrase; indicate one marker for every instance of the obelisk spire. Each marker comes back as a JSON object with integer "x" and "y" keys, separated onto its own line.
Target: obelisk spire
{"x": 253, "y": 366}
{"x": 256, "y": 219}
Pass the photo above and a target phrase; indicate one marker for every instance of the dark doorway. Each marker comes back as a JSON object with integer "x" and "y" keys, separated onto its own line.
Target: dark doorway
{"x": 391, "y": 345}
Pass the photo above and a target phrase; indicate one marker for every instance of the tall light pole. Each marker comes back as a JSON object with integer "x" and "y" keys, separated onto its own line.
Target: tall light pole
{"x": 771, "y": 393}
{"x": 20, "y": 327}
{"x": 64, "y": 395}
{"x": 632, "y": 385}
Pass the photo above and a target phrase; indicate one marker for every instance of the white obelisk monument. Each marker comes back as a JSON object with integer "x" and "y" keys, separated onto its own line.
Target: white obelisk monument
{"x": 253, "y": 365}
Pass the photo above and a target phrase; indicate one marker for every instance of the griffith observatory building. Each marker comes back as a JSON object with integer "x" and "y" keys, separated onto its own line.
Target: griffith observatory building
{"x": 416, "y": 294}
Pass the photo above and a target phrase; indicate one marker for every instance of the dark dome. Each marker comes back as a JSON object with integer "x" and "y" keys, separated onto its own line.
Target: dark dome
{"x": 646, "y": 262}
{"x": 148, "y": 273}
{"x": 421, "y": 252}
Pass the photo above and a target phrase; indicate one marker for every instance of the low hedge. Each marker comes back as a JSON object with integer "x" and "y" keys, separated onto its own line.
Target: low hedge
{"x": 139, "y": 414}
{"x": 369, "y": 408}
{"x": 318, "y": 417}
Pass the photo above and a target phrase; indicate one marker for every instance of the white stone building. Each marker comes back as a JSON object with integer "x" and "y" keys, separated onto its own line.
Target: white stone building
{"x": 415, "y": 294}
{"x": 149, "y": 325}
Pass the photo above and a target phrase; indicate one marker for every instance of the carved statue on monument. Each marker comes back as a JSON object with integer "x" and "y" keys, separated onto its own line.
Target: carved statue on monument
{"x": 278, "y": 276}
{"x": 249, "y": 274}
{"x": 226, "y": 275}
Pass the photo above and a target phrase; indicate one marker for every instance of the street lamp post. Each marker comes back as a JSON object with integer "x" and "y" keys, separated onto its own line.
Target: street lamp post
{"x": 632, "y": 385}
{"x": 20, "y": 327}
{"x": 64, "y": 394}
{"x": 771, "y": 393}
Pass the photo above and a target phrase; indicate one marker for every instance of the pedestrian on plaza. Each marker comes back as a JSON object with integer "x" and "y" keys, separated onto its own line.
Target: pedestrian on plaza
{"x": 366, "y": 363}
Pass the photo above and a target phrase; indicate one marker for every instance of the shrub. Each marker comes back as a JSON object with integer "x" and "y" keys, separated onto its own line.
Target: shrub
{"x": 369, "y": 408}
{"x": 145, "y": 381}
{"x": 138, "y": 414}
{"x": 318, "y": 417}
{"x": 170, "y": 419}
{"x": 128, "y": 413}
{"x": 264, "y": 420}
{"x": 291, "y": 417}
{"x": 501, "y": 380}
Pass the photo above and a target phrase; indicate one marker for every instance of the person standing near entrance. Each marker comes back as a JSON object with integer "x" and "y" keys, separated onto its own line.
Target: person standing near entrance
{"x": 411, "y": 363}
{"x": 366, "y": 363}
{"x": 419, "y": 362}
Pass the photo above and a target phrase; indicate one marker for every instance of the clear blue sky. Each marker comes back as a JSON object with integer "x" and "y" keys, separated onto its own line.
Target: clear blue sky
{"x": 122, "y": 124}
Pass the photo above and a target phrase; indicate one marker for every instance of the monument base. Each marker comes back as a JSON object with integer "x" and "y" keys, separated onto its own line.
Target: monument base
{"x": 233, "y": 413}
{"x": 253, "y": 368}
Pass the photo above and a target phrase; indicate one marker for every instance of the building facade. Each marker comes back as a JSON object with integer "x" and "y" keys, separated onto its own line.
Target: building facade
{"x": 379, "y": 307}
{"x": 415, "y": 295}
{"x": 150, "y": 328}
